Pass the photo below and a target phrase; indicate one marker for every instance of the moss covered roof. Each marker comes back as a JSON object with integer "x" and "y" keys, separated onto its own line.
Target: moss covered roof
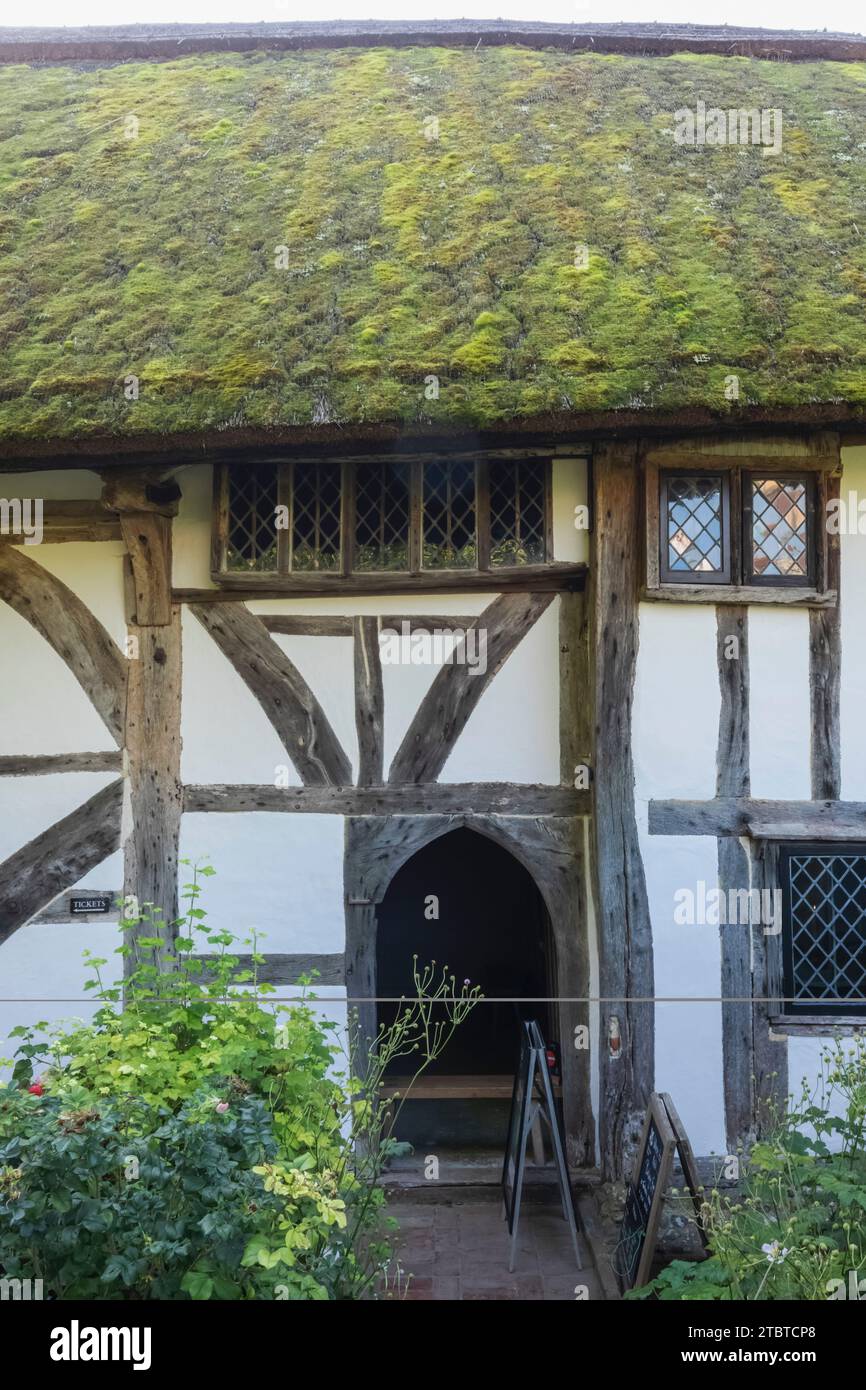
{"x": 430, "y": 202}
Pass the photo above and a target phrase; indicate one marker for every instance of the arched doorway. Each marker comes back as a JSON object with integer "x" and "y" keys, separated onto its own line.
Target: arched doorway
{"x": 466, "y": 902}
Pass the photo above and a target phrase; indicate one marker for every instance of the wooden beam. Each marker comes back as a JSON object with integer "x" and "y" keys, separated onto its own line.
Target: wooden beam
{"x": 415, "y": 799}
{"x": 444, "y": 712}
{"x": 733, "y": 780}
{"x": 277, "y": 684}
{"x": 32, "y": 877}
{"x": 740, "y": 593}
{"x": 153, "y": 769}
{"x": 293, "y": 625}
{"x": 825, "y": 670}
{"x": 147, "y": 536}
{"x": 626, "y": 982}
{"x": 369, "y": 702}
{"x": 730, "y": 815}
{"x": 42, "y": 764}
{"x": 78, "y": 637}
{"x": 236, "y": 588}
{"x": 281, "y": 969}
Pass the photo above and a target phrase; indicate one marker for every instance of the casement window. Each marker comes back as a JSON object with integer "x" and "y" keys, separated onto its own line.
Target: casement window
{"x": 824, "y": 929}
{"x": 741, "y": 528}
{"x": 301, "y": 520}
{"x": 747, "y": 533}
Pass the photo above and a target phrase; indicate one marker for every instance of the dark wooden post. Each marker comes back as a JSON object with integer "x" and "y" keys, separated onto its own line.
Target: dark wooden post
{"x": 627, "y": 1040}
{"x": 154, "y": 796}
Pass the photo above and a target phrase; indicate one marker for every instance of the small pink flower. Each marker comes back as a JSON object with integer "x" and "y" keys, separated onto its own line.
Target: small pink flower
{"x": 222, "y": 1107}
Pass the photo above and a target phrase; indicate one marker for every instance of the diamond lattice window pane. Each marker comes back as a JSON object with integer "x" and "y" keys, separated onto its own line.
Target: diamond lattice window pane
{"x": 828, "y": 928}
{"x": 694, "y": 525}
{"x": 779, "y": 529}
{"x": 518, "y": 498}
{"x": 449, "y": 515}
{"x": 382, "y": 516}
{"x": 316, "y": 515}
{"x": 252, "y": 502}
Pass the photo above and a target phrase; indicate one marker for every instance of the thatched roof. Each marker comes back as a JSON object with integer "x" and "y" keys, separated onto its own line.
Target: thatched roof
{"x": 276, "y": 242}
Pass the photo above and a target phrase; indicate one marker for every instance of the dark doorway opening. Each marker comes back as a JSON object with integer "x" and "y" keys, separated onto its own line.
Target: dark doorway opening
{"x": 493, "y": 929}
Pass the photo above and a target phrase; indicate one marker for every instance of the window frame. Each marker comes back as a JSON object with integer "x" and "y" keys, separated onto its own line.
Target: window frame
{"x": 671, "y": 576}
{"x": 820, "y": 590}
{"x": 816, "y": 1012}
{"x": 347, "y": 577}
{"x": 747, "y": 514}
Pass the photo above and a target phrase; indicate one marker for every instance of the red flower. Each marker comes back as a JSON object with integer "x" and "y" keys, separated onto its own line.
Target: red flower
{"x": 36, "y": 1089}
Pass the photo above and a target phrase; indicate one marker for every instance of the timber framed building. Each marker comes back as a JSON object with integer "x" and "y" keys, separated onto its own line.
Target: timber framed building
{"x": 311, "y": 336}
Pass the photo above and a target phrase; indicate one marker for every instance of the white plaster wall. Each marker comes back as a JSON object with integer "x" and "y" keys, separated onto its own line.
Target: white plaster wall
{"x": 42, "y": 973}
{"x": 675, "y": 732}
{"x": 569, "y": 487}
{"x": 191, "y": 531}
{"x": 327, "y": 664}
{"x": 853, "y": 620}
{"x": 28, "y": 805}
{"x": 278, "y": 875}
{"x": 779, "y": 713}
{"x": 225, "y": 734}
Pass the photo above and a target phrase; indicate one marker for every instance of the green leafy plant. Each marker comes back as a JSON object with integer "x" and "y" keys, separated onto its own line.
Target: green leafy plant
{"x": 797, "y": 1227}
{"x": 199, "y": 1140}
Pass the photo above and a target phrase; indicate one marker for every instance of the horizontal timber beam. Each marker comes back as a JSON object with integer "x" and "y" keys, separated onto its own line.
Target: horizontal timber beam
{"x": 728, "y": 815}
{"x": 67, "y": 521}
{"x": 288, "y": 969}
{"x": 237, "y": 588}
{"x": 40, "y": 764}
{"x": 432, "y": 798}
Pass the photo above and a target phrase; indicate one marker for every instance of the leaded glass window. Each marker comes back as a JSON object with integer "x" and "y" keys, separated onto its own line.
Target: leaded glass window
{"x": 316, "y": 511}
{"x": 449, "y": 527}
{"x": 824, "y": 944}
{"x": 777, "y": 539}
{"x": 518, "y": 512}
{"x": 695, "y": 528}
{"x": 252, "y": 519}
{"x": 382, "y": 511}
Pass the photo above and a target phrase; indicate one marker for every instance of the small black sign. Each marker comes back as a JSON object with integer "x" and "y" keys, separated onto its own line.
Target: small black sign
{"x": 80, "y": 903}
{"x": 643, "y": 1204}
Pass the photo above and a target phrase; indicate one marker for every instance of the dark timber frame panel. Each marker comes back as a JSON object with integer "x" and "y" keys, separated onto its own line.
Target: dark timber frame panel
{"x": 551, "y": 850}
{"x": 626, "y": 980}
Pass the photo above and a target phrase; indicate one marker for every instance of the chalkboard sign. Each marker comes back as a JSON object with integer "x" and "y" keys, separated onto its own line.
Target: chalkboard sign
{"x": 531, "y": 1100}
{"x": 89, "y": 902}
{"x": 643, "y": 1205}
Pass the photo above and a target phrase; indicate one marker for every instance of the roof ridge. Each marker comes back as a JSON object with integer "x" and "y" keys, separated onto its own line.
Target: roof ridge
{"x": 143, "y": 41}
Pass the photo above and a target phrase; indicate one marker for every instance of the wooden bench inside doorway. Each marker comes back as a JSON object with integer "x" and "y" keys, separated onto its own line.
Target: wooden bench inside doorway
{"x": 467, "y": 1088}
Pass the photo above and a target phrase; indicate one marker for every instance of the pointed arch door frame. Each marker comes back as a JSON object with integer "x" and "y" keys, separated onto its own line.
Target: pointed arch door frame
{"x": 551, "y": 849}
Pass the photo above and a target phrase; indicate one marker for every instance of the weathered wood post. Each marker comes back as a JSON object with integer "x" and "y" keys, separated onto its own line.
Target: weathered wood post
{"x": 153, "y": 797}
{"x": 626, "y": 983}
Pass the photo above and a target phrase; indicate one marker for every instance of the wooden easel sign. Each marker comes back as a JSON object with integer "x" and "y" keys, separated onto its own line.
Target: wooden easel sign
{"x": 532, "y": 1098}
{"x": 643, "y": 1204}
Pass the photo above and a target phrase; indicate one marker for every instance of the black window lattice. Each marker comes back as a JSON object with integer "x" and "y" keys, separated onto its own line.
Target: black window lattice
{"x": 252, "y": 534}
{"x": 449, "y": 538}
{"x": 694, "y": 524}
{"x": 518, "y": 513}
{"x": 382, "y": 516}
{"x": 825, "y": 947}
{"x": 316, "y": 516}
{"x": 779, "y": 529}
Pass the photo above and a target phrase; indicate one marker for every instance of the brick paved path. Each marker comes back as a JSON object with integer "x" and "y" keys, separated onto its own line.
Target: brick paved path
{"x": 460, "y": 1252}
